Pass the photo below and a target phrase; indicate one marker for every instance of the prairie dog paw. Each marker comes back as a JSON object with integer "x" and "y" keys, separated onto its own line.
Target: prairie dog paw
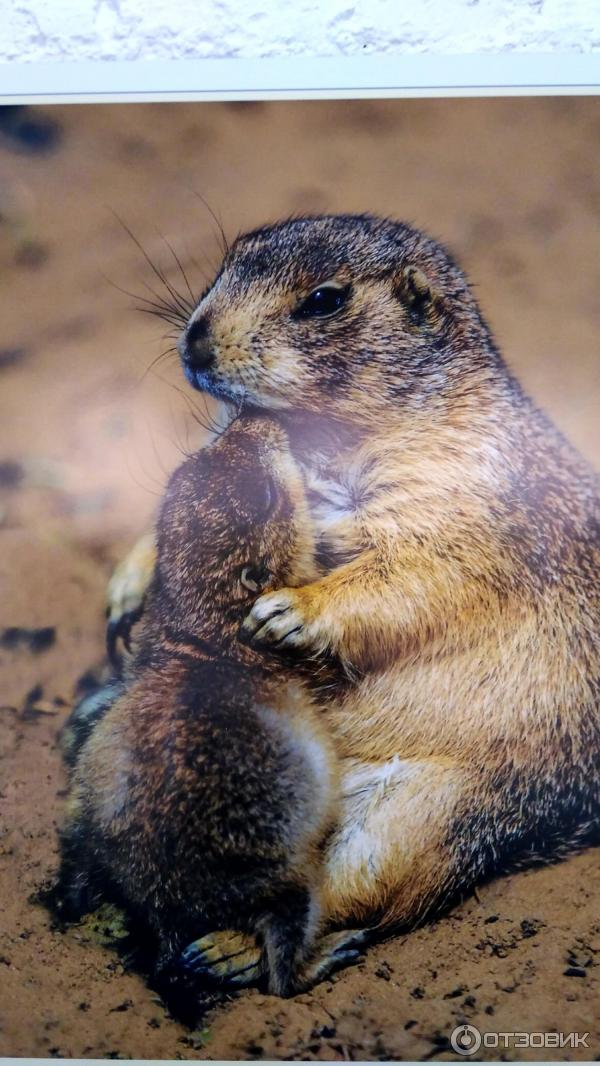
{"x": 126, "y": 591}
{"x": 278, "y": 620}
{"x": 335, "y": 952}
{"x": 225, "y": 958}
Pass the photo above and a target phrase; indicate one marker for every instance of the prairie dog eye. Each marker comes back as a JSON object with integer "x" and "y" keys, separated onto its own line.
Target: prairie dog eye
{"x": 262, "y": 494}
{"x": 324, "y": 301}
{"x": 255, "y": 578}
{"x": 270, "y": 494}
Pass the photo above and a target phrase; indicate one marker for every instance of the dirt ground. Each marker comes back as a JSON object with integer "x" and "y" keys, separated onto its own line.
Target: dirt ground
{"x": 88, "y": 433}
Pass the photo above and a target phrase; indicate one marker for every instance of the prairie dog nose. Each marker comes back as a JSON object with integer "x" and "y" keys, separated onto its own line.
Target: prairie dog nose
{"x": 194, "y": 345}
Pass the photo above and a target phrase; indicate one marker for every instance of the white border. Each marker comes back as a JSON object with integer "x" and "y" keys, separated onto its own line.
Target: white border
{"x": 507, "y": 74}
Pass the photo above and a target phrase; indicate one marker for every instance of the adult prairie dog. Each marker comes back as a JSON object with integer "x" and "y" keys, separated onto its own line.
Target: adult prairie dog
{"x": 459, "y": 535}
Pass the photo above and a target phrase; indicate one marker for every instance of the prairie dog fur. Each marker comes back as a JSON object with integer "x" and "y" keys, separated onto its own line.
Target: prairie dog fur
{"x": 460, "y": 534}
{"x": 203, "y": 794}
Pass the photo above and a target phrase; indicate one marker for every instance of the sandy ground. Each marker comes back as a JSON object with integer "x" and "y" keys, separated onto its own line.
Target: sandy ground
{"x": 88, "y": 434}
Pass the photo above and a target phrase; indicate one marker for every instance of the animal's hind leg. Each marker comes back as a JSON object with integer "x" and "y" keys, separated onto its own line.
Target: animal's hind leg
{"x": 289, "y": 930}
{"x": 73, "y": 894}
{"x": 395, "y": 855}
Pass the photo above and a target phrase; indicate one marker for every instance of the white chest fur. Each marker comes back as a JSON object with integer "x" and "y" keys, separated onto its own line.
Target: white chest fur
{"x": 332, "y": 500}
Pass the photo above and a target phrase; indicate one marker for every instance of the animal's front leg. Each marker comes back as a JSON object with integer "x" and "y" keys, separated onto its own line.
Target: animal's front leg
{"x": 377, "y": 608}
{"x": 321, "y": 618}
{"x": 126, "y": 591}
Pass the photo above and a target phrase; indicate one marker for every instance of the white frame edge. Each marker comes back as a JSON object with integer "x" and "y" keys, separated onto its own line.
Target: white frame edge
{"x": 504, "y": 74}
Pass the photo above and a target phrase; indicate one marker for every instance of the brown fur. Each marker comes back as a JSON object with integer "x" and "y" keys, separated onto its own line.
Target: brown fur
{"x": 202, "y": 796}
{"x": 460, "y": 532}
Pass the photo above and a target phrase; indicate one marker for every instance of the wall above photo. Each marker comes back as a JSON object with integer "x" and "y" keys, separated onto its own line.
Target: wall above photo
{"x": 59, "y": 30}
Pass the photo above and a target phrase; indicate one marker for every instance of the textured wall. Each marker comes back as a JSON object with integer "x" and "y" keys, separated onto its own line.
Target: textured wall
{"x": 177, "y": 29}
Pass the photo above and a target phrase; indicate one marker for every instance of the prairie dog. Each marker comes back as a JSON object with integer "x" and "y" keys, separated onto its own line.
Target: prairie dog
{"x": 459, "y": 534}
{"x": 203, "y": 794}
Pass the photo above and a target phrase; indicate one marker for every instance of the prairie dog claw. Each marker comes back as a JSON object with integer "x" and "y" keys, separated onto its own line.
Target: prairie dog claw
{"x": 125, "y": 594}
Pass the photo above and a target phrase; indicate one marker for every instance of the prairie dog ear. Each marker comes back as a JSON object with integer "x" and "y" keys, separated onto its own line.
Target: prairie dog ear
{"x": 414, "y": 289}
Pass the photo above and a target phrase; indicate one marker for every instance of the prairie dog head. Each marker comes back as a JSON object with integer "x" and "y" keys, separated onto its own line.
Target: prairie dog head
{"x": 332, "y": 315}
{"x": 234, "y": 523}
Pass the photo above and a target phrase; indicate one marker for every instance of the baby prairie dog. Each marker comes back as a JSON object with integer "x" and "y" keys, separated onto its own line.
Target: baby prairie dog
{"x": 203, "y": 794}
